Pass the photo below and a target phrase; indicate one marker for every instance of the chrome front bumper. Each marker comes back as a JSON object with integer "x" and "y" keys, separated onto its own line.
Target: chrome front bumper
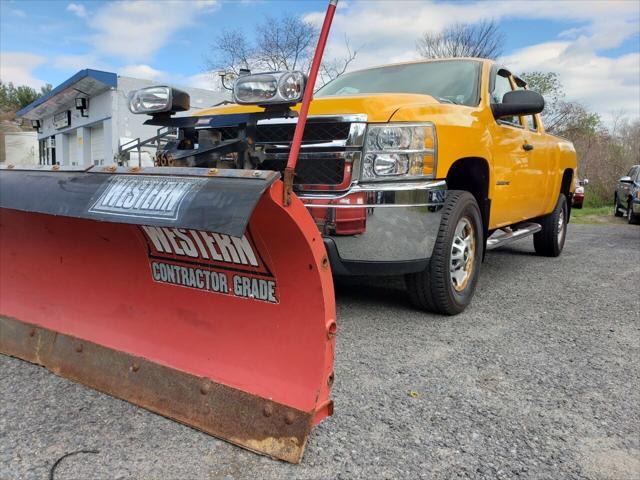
{"x": 385, "y": 224}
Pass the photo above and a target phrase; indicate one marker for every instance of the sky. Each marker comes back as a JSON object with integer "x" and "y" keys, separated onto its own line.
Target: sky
{"x": 594, "y": 46}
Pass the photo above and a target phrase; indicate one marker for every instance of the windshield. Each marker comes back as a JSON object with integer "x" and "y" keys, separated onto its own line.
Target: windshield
{"x": 448, "y": 81}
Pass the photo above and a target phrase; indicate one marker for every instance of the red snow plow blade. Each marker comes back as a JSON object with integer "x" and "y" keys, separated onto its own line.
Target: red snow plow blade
{"x": 196, "y": 295}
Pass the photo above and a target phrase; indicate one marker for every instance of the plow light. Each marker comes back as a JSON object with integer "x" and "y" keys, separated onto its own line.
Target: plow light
{"x": 269, "y": 88}
{"x": 158, "y": 99}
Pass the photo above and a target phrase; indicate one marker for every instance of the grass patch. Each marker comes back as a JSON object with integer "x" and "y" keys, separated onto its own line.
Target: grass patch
{"x": 595, "y": 215}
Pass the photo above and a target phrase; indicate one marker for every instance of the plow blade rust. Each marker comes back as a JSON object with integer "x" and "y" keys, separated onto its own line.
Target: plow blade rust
{"x": 229, "y": 330}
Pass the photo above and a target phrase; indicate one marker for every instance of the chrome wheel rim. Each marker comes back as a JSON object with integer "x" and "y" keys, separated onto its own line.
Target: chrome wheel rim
{"x": 463, "y": 253}
{"x": 561, "y": 226}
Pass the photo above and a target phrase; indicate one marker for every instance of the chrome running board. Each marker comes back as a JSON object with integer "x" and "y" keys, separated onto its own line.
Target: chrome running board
{"x": 509, "y": 234}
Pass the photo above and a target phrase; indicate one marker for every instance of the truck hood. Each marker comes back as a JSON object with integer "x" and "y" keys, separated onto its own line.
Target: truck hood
{"x": 377, "y": 107}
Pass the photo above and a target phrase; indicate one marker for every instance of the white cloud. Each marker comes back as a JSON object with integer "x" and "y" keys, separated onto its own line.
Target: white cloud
{"x": 205, "y": 80}
{"x": 77, "y": 9}
{"x": 604, "y": 84}
{"x": 18, "y": 68}
{"x": 386, "y": 32}
{"x": 145, "y": 72}
{"x": 78, "y": 62}
{"x": 18, "y": 13}
{"x": 135, "y": 30}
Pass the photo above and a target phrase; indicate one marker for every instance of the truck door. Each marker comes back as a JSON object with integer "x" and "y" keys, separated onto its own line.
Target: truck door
{"x": 535, "y": 174}
{"x": 510, "y": 198}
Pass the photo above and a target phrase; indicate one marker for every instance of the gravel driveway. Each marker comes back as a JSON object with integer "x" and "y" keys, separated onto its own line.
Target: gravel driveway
{"x": 539, "y": 378}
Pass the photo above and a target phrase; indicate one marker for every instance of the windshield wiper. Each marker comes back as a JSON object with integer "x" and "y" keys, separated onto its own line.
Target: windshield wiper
{"x": 447, "y": 100}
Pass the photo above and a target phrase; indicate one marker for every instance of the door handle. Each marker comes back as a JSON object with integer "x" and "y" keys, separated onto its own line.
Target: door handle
{"x": 527, "y": 147}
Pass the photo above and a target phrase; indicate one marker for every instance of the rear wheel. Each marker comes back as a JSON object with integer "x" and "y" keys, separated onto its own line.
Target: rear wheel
{"x": 446, "y": 286}
{"x": 549, "y": 241}
{"x": 616, "y": 206}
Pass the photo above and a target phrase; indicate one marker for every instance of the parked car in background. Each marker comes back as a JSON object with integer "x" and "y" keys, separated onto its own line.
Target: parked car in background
{"x": 626, "y": 199}
{"x": 578, "y": 195}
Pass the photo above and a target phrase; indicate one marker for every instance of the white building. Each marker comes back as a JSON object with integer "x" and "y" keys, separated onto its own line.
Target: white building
{"x": 69, "y": 134}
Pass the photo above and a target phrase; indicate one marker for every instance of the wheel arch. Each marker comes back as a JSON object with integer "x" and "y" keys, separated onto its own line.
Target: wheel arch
{"x": 565, "y": 188}
{"x": 473, "y": 174}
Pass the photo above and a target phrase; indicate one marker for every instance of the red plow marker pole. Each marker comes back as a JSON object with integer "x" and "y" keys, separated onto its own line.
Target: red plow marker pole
{"x": 289, "y": 171}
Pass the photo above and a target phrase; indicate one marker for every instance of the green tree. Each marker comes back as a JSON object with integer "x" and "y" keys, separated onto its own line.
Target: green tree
{"x": 559, "y": 115}
{"x": 14, "y": 98}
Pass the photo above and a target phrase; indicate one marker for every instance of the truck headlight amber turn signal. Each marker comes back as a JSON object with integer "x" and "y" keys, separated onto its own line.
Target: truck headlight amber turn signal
{"x": 399, "y": 150}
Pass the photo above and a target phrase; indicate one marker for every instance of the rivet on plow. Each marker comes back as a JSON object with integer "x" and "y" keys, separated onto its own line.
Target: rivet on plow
{"x": 212, "y": 171}
{"x": 135, "y": 367}
{"x": 11, "y": 166}
{"x": 330, "y": 380}
{"x": 205, "y": 388}
{"x": 55, "y": 168}
{"x": 134, "y": 169}
{"x": 267, "y": 410}
{"x": 79, "y": 348}
{"x": 325, "y": 262}
{"x": 110, "y": 168}
{"x": 257, "y": 173}
{"x": 32, "y": 332}
{"x": 289, "y": 418}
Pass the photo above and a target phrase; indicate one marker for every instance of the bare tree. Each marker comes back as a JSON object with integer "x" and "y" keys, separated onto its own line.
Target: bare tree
{"x": 285, "y": 43}
{"x": 333, "y": 68}
{"x": 233, "y": 52}
{"x": 483, "y": 40}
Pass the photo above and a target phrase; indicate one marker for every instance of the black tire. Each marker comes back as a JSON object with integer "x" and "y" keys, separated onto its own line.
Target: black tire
{"x": 549, "y": 241}
{"x": 631, "y": 217}
{"x": 433, "y": 289}
{"x": 616, "y": 206}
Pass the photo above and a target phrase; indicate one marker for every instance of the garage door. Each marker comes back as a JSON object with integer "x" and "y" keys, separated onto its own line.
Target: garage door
{"x": 97, "y": 145}
{"x": 72, "y": 142}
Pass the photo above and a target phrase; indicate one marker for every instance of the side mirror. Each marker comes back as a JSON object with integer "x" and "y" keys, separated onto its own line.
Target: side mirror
{"x": 518, "y": 102}
{"x": 584, "y": 182}
{"x": 625, "y": 179}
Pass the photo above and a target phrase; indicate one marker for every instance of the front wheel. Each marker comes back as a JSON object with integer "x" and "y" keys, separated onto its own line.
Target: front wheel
{"x": 446, "y": 286}
{"x": 616, "y": 206}
{"x": 632, "y": 218}
{"x": 549, "y": 241}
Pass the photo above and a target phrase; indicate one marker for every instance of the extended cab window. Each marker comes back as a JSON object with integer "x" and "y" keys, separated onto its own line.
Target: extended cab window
{"x": 502, "y": 85}
{"x": 451, "y": 81}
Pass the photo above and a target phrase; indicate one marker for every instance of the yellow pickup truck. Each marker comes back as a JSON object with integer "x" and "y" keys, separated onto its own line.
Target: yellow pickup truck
{"x": 412, "y": 169}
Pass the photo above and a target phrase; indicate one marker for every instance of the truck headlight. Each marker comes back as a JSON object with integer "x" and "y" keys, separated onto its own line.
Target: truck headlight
{"x": 159, "y": 99}
{"x": 399, "y": 151}
{"x": 269, "y": 88}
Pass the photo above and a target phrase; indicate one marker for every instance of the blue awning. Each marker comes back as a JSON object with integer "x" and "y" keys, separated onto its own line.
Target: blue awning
{"x": 86, "y": 83}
